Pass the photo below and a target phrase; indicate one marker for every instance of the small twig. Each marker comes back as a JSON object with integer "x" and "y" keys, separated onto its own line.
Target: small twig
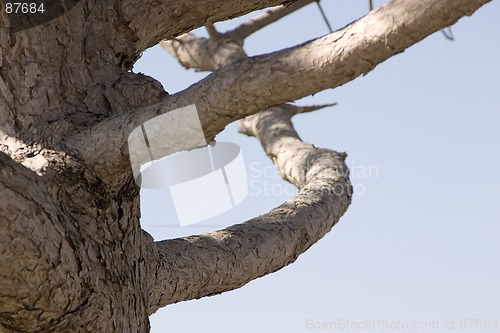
{"x": 294, "y": 109}
{"x": 324, "y": 16}
{"x": 212, "y": 32}
{"x": 264, "y": 19}
{"x": 370, "y": 4}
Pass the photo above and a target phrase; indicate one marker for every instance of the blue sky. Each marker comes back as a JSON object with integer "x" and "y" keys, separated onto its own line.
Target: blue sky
{"x": 417, "y": 246}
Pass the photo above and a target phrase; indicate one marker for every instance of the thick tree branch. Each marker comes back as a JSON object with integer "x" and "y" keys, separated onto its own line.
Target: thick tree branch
{"x": 150, "y": 21}
{"x": 212, "y": 263}
{"x": 254, "y": 84}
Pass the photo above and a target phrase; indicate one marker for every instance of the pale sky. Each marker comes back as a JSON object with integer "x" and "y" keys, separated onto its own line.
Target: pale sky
{"x": 418, "y": 249}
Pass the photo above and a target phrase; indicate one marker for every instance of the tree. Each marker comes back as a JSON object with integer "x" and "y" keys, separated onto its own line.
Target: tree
{"x": 72, "y": 252}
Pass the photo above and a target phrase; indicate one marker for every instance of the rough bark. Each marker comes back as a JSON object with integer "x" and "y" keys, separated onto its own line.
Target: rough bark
{"x": 257, "y": 83}
{"x": 73, "y": 256}
{"x": 151, "y": 21}
{"x": 230, "y": 258}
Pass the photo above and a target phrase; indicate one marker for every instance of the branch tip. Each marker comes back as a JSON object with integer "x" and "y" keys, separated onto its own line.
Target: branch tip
{"x": 304, "y": 109}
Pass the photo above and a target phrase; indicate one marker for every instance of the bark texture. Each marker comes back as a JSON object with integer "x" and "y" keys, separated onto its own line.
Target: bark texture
{"x": 73, "y": 256}
{"x": 257, "y": 83}
{"x": 269, "y": 242}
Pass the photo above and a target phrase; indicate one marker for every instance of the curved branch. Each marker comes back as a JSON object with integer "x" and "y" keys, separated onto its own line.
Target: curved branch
{"x": 254, "y": 84}
{"x": 212, "y": 263}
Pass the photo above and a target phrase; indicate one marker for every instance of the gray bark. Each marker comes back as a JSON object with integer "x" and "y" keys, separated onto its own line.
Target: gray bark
{"x": 282, "y": 76}
{"x": 73, "y": 256}
{"x": 269, "y": 242}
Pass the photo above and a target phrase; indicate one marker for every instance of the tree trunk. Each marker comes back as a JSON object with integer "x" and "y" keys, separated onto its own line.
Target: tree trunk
{"x": 73, "y": 257}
